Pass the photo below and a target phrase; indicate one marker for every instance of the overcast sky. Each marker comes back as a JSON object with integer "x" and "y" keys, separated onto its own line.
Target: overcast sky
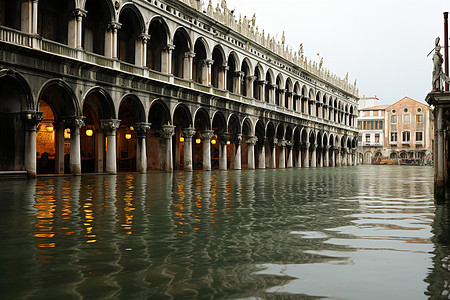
{"x": 381, "y": 43}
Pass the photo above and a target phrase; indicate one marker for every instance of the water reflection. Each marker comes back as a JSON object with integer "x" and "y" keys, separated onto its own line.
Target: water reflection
{"x": 350, "y": 233}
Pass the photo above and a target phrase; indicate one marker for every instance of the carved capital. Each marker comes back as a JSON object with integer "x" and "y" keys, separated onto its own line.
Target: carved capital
{"x": 32, "y": 118}
{"x": 114, "y": 26}
{"x": 110, "y": 126}
{"x": 74, "y": 123}
{"x": 142, "y": 129}
{"x": 223, "y": 137}
{"x": 282, "y": 143}
{"x": 167, "y": 131}
{"x": 189, "y": 55}
{"x": 188, "y": 133}
{"x": 169, "y": 47}
{"x": 79, "y": 13}
{"x": 251, "y": 140}
{"x": 144, "y": 38}
{"x": 207, "y": 134}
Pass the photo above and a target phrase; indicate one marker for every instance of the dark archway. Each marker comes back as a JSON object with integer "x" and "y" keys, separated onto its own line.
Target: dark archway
{"x": 217, "y": 69}
{"x": 180, "y": 53}
{"x": 53, "y": 19}
{"x": 95, "y": 25}
{"x": 128, "y": 33}
{"x": 157, "y": 43}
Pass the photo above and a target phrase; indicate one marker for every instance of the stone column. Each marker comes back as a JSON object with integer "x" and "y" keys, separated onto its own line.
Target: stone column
{"x": 222, "y": 77}
{"x": 261, "y": 87}
{"x": 290, "y": 103}
{"x": 273, "y": 161}
{"x": 313, "y": 156}
{"x": 165, "y": 156}
{"x": 282, "y": 155}
{"x": 289, "y": 148}
{"x": 59, "y": 147}
{"x": 338, "y": 156}
{"x": 26, "y": 24}
{"x": 74, "y": 123}
{"x": 206, "y": 78}
{"x": 238, "y": 155}
{"x": 272, "y": 90}
{"x": 262, "y": 156}
{"x": 187, "y": 65}
{"x": 223, "y": 138}
{"x": 250, "y": 80}
{"x": 35, "y": 17}
{"x": 31, "y": 118}
{"x": 110, "y": 128}
{"x": 305, "y": 163}
{"x": 237, "y": 79}
{"x": 111, "y": 39}
{"x": 188, "y": 133}
{"x": 326, "y": 161}
{"x": 141, "y": 151}
{"x": 74, "y": 38}
{"x": 281, "y": 97}
{"x": 251, "y": 141}
{"x": 320, "y": 163}
{"x": 140, "y": 57}
{"x": 206, "y": 137}
{"x": 166, "y": 59}
{"x": 439, "y": 168}
{"x": 100, "y": 145}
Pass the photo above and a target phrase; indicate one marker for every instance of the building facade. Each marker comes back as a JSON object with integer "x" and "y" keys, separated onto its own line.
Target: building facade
{"x": 371, "y": 123}
{"x": 102, "y": 86}
{"x": 397, "y": 133}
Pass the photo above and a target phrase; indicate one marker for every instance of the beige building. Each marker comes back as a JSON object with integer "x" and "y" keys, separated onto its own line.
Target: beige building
{"x": 408, "y": 131}
{"x": 397, "y": 133}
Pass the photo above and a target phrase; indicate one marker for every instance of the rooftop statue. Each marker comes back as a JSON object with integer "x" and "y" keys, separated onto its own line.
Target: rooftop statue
{"x": 438, "y": 74}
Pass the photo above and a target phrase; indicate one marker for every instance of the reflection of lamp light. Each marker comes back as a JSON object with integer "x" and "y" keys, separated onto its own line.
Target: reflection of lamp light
{"x": 67, "y": 133}
{"x": 228, "y": 142}
{"x": 128, "y": 136}
{"x": 198, "y": 141}
{"x": 49, "y": 128}
{"x": 89, "y": 132}
{"x": 181, "y": 139}
{"x": 213, "y": 142}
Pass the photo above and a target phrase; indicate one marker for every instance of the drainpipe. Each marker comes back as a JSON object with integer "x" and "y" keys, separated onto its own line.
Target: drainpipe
{"x": 446, "y": 46}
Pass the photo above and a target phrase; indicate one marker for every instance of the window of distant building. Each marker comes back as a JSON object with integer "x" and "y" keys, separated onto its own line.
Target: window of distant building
{"x": 375, "y": 113}
{"x": 367, "y": 113}
{"x": 359, "y": 138}
{"x": 405, "y": 110}
{"x": 393, "y": 119}
{"x": 406, "y": 136}
{"x": 377, "y": 137}
{"x": 393, "y": 111}
{"x": 367, "y": 138}
{"x": 406, "y": 118}
{"x": 419, "y": 118}
{"x": 419, "y": 136}
{"x": 359, "y": 125}
{"x": 419, "y": 109}
{"x": 393, "y": 136}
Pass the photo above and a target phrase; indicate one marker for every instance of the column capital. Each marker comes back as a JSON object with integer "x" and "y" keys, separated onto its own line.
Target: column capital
{"x": 223, "y": 137}
{"x": 114, "y": 26}
{"x": 144, "y": 37}
{"x": 314, "y": 146}
{"x": 251, "y": 140}
{"x": 74, "y": 122}
{"x": 142, "y": 128}
{"x": 275, "y": 141}
{"x": 282, "y": 90}
{"x": 78, "y": 12}
{"x": 169, "y": 47}
{"x": 167, "y": 131}
{"x": 282, "y": 143}
{"x": 237, "y": 139}
{"x": 251, "y": 78}
{"x": 188, "y": 133}
{"x": 110, "y": 126}
{"x": 289, "y": 144}
{"x": 261, "y": 82}
{"x": 189, "y": 54}
{"x": 32, "y": 118}
{"x": 273, "y": 86}
{"x": 239, "y": 74}
{"x": 206, "y": 134}
{"x": 207, "y": 62}
{"x": 225, "y": 67}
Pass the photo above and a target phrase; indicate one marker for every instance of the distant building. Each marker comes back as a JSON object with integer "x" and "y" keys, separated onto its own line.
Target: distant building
{"x": 397, "y": 133}
{"x": 371, "y": 122}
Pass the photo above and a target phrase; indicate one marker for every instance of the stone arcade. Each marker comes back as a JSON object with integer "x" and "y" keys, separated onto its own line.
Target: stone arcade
{"x": 107, "y": 86}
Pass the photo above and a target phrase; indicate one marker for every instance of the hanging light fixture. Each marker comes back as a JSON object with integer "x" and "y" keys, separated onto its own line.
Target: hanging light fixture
{"x": 67, "y": 133}
{"x": 181, "y": 139}
{"x": 213, "y": 141}
{"x": 198, "y": 141}
{"x": 228, "y": 142}
{"x": 49, "y": 128}
{"x": 89, "y": 132}
{"x": 128, "y": 136}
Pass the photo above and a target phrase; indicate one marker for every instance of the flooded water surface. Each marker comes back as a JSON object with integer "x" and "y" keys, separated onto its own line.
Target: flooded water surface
{"x": 367, "y": 232}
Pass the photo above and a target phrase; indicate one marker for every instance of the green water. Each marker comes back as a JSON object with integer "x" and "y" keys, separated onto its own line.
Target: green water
{"x": 367, "y": 232}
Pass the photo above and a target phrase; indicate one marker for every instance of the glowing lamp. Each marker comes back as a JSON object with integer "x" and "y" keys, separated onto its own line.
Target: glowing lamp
{"x": 128, "y": 136}
{"x": 131, "y": 128}
{"x": 67, "y": 133}
{"x": 89, "y": 132}
{"x": 181, "y": 139}
{"x": 228, "y": 142}
{"x": 49, "y": 128}
{"x": 198, "y": 141}
{"x": 213, "y": 142}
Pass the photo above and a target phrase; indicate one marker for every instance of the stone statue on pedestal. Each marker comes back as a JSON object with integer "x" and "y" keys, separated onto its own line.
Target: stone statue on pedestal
{"x": 438, "y": 74}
